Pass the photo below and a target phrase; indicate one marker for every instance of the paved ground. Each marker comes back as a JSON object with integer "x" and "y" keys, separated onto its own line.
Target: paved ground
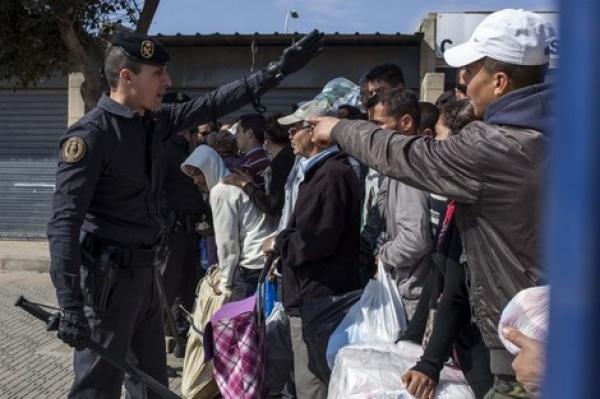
{"x": 33, "y": 362}
{"x": 24, "y": 255}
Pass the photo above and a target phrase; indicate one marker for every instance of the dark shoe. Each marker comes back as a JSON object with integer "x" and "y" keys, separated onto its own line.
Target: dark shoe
{"x": 179, "y": 351}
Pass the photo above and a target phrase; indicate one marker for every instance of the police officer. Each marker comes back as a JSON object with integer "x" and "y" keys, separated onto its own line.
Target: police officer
{"x": 105, "y": 224}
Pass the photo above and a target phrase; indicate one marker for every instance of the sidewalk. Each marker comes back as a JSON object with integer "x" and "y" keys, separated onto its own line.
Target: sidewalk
{"x": 24, "y": 256}
{"x": 33, "y": 362}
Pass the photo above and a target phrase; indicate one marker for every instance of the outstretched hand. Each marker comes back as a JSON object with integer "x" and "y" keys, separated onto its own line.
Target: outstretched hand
{"x": 322, "y": 127}
{"x": 300, "y": 53}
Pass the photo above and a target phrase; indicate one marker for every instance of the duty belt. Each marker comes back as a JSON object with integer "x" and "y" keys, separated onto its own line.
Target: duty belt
{"x": 134, "y": 258}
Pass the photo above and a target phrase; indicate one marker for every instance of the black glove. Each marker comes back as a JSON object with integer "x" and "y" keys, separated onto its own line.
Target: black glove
{"x": 73, "y": 328}
{"x": 300, "y": 53}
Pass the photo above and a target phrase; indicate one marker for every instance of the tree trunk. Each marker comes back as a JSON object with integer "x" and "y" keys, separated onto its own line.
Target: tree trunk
{"x": 87, "y": 57}
{"x": 88, "y": 53}
{"x": 146, "y": 16}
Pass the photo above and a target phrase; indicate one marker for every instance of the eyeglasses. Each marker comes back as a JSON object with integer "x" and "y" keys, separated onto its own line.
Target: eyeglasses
{"x": 294, "y": 129}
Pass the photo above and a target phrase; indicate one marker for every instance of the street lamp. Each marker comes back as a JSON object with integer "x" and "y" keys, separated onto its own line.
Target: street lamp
{"x": 291, "y": 13}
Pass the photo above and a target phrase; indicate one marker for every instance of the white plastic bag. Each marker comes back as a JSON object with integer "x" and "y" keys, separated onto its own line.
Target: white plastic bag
{"x": 378, "y": 316}
{"x": 374, "y": 371}
{"x": 528, "y": 313}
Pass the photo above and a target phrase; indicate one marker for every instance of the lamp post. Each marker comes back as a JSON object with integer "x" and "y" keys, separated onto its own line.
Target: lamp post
{"x": 291, "y": 13}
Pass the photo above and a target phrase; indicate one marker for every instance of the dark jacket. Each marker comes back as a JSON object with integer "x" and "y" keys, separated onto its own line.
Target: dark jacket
{"x": 107, "y": 176}
{"x": 178, "y": 191}
{"x": 319, "y": 248}
{"x": 494, "y": 170}
{"x": 271, "y": 203}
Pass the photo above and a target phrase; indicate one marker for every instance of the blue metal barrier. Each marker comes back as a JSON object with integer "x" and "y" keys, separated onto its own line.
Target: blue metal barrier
{"x": 572, "y": 213}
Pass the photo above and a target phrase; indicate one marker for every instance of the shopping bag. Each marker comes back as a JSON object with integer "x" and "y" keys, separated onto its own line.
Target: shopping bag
{"x": 374, "y": 371}
{"x": 270, "y": 296}
{"x": 378, "y": 316}
{"x": 320, "y": 317}
{"x": 528, "y": 313}
{"x": 234, "y": 340}
{"x": 197, "y": 380}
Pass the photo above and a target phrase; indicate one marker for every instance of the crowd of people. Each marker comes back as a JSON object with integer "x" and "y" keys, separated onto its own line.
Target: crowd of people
{"x": 445, "y": 196}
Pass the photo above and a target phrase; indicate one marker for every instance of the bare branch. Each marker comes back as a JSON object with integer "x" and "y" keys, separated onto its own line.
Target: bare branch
{"x": 146, "y": 16}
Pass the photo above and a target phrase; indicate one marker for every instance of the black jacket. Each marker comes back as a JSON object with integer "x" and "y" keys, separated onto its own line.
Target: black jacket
{"x": 178, "y": 191}
{"x": 320, "y": 248}
{"x": 444, "y": 302}
{"x": 106, "y": 179}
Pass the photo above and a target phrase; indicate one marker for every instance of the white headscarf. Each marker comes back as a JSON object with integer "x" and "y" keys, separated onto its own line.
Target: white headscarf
{"x": 209, "y": 162}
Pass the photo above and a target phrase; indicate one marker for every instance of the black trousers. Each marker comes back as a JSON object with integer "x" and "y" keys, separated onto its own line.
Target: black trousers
{"x": 131, "y": 327}
{"x": 245, "y": 282}
{"x": 183, "y": 271}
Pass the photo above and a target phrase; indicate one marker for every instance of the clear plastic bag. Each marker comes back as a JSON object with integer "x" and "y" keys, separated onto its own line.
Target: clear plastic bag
{"x": 375, "y": 371}
{"x": 528, "y": 313}
{"x": 378, "y": 316}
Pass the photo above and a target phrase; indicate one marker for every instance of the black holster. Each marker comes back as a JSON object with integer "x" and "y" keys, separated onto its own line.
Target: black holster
{"x": 98, "y": 272}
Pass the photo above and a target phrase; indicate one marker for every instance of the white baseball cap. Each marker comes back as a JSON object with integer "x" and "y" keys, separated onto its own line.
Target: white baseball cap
{"x": 516, "y": 37}
{"x": 307, "y": 110}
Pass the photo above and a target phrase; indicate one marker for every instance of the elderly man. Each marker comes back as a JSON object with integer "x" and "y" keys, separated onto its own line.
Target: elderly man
{"x": 319, "y": 245}
{"x": 493, "y": 168}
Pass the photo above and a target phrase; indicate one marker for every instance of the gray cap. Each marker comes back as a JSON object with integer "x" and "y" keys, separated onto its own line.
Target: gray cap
{"x": 309, "y": 109}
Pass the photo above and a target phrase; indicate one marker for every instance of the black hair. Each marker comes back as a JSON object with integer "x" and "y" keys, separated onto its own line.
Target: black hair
{"x": 457, "y": 114}
{"x": 115, "y": 60}
{"x": 222, "y": 142}
{"x": 445, "y": 98}
{"x": 429, "y": 117}
{"x": 401, "y": 102}
{"x": 388, "y": 73}
{"x": 256, "y": 122}
{"x": 519, "y": 75}
{"x": 275, "y": 132}
{"x": 353, "y": 112}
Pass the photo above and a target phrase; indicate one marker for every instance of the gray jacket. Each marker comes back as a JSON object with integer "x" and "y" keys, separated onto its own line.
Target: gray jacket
{"x": 494, "y": 170}
{"x": 407, "y": 250}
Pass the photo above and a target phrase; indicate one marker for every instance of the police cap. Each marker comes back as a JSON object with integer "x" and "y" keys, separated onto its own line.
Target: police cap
{"x": 141, "y": 48}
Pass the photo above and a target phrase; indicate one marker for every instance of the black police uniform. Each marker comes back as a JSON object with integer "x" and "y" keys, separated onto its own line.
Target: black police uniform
{"x": 106, "y": 189}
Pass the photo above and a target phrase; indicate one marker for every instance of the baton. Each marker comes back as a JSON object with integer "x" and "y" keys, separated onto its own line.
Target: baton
{"x": 52, "y": 320}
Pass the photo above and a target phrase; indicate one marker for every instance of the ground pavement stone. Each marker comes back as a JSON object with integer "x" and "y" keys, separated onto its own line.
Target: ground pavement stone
{"x": 33, "y": 362}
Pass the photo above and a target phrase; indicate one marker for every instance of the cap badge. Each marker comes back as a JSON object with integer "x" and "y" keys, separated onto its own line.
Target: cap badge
{"x": 147, "y": 49}
{"x": 74, "y": 150}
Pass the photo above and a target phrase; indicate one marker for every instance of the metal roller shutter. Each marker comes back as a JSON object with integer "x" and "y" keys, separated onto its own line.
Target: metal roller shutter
{"x": 31, "y": 122}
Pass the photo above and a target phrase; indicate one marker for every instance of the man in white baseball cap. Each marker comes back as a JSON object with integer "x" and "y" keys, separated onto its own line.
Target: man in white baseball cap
{"x": 511, "y": 50}
{"x": 493, "y": 170}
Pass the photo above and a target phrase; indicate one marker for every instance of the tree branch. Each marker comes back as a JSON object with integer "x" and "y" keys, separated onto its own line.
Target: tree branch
{"x": 85, "y": 60}
{"x": 146, "y": 16}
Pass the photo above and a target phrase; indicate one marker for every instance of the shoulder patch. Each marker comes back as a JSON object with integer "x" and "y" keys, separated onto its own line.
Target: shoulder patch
{"x": 74, "y": 149}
